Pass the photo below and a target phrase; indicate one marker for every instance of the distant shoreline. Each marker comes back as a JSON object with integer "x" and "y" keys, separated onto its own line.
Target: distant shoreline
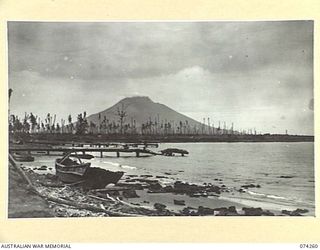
{"x": 96, "y": 138}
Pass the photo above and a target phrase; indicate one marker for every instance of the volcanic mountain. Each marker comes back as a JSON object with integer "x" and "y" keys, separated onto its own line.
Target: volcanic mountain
{"x": 142, "y": 109}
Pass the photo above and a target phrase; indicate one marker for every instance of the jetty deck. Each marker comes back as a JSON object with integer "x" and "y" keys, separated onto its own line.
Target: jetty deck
{"x": 92, "y": 144}
{"x": 101, "y": 150}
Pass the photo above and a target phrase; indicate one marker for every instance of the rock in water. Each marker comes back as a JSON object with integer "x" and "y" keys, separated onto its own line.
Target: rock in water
{"x": 267, "y": 213}
{"x": 159, "y": 206}
{"x": 146, "y": 175}
{"x": 179, "y": 202}
{"x": 296, "y": 212}
{"x": 232, "y": 209}
{"x": 301, "y": 211}
{"x": 286, "y": 176}
{"x": 205, "y": 211}
{"x": 251, "y": 186}
{"x": 43, "y": 168}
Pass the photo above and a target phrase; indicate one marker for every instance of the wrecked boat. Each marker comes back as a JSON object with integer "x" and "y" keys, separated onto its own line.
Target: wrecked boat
{"x": 100, "y": 178}
{"x": 70, "y": 168}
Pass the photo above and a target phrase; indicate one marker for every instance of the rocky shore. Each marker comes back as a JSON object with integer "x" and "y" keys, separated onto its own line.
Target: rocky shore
{"x": 134, "y": 195}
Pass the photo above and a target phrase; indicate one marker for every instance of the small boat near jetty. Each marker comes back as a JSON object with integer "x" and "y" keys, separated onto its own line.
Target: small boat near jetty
{"x": 23, "y": 157}
{"x": 70, "y": 168}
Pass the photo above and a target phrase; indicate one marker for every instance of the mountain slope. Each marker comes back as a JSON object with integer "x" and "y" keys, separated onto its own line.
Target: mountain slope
{"x": 142, "y": 109}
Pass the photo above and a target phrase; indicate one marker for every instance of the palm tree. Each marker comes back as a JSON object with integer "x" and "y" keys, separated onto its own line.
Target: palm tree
{"x": 99, "y": 126}
{"x": 122, "y": 115}
{"x": 26, "y": 125}
{"x": 70, "y": 124}
{"x": 58, "y": 127}
{"x": 82, "y": 124}
{"x": 33, "y": 121}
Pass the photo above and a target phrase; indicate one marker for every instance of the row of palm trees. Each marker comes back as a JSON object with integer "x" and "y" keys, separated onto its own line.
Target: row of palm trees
{"x": 31, "y": 123}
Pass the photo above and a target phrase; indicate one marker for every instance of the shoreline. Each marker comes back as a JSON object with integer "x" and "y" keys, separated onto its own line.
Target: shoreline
{"x": 136, "y": 196}
{"x": 54, "y": 139}
{"x": 164, "y": 188}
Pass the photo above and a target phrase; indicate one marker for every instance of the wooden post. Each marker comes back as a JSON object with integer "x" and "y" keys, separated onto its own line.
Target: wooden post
{"x": 137, "y": 153}
{"x": 48, "y": 152}
{"x": 101, "y": 153}
{"x": 118, "y": 154}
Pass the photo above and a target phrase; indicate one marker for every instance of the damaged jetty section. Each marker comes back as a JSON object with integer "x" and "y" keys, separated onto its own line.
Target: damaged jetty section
{"x": 174, "y": 151}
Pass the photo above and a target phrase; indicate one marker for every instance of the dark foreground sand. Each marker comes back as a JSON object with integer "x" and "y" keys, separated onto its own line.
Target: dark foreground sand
{"x": 22, "y": 203}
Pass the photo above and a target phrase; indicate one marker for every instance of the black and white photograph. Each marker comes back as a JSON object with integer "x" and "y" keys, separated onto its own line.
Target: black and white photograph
{"x": 160, "y": 118}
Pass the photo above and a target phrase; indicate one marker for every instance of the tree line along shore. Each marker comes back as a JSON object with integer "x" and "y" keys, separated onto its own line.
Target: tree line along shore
{"x": 138, "y": 138}
{"x": 120, "y": 126}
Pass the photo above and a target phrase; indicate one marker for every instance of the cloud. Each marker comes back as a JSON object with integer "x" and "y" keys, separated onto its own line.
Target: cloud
{"x": 249, "y": 73}
{"x": 137, "y": 50}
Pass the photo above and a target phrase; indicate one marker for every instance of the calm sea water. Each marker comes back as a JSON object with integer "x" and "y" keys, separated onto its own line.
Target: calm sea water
{"x": 234, "y": 165}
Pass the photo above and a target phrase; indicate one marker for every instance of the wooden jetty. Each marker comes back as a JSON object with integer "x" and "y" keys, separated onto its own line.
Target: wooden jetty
{"x": 83, "y": 150}
{"x": 94, "y": 144}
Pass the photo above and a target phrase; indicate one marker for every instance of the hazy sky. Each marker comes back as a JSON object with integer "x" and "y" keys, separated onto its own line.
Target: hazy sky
{"x": 255, "y": 74}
